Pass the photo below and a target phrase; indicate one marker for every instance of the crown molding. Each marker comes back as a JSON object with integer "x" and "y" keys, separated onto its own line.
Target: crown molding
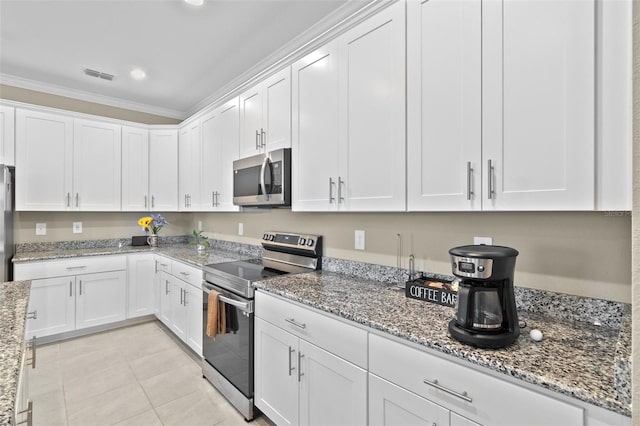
{"x": 334, "y": 24}
{"x": 24, "y": 83}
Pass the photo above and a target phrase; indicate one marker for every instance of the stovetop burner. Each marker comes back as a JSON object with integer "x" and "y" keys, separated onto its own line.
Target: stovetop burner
{"x": 284, "y": 253}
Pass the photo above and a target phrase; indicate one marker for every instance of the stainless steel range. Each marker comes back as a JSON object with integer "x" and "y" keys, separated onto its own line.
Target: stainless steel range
{"x": 228, "y": 357}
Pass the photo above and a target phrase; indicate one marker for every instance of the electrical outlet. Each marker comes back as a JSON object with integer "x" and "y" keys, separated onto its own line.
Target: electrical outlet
{"x": 240, "y": 228}
{"x": 41, "y": 229}
{"x": 483, "y": 240}
{"x": 199, "y": 225}
{"x": 359, "y": 239}
{"x": 77, "y": 227}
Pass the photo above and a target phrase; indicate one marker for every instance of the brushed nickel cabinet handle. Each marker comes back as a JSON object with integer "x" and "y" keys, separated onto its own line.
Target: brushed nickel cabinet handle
{"x": 257, "y": 140}
{"x": 32, "y": 346}
{"x": 331, "y": 197}
{"x": 68, "y": 199}
{"x": 70, "y": 288}
{"x": 166, "y": 287}
{"x": 435, "y": 384}
{"x": 292, "y": 321}
{"x": 80, "y": 287}
{"x": 469, "y": 171}
{"x": 29, "y": 412}
{"x": 145, "y": 201}
{"x": 340, "y": 183}
{"x": 490, "y": 179}
{"x": 291, "y": 368}
{"x": 153, "y": 201}
{"x": 300, "y": 373}
{"x": 32, "y": 315}
{"x": 77, "y": 199}
{"x": 263, "y": 138}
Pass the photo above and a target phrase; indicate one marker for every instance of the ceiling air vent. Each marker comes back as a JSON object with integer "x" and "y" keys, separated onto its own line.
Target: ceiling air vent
{"x": 98, "y": 74}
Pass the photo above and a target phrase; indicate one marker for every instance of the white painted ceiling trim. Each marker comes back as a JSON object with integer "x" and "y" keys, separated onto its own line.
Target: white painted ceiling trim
{"x": 24, "y": 83}
{"x": 314, "y": 37}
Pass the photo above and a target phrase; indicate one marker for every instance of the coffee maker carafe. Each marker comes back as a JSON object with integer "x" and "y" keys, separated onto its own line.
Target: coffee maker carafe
{"x": 486, "y": 310}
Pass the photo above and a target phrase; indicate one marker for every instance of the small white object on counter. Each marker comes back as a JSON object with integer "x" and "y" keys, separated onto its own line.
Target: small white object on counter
{"x": 536, "y": 335}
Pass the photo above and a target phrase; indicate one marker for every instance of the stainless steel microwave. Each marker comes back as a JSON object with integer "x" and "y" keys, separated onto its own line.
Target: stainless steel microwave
{"x": 263, "y": 180}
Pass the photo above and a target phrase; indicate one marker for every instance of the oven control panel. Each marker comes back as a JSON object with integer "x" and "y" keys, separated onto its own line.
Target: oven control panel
{"x": 309, "y": 242}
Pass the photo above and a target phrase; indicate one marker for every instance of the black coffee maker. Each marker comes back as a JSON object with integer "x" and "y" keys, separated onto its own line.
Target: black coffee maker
{"x": 486, "y": 308}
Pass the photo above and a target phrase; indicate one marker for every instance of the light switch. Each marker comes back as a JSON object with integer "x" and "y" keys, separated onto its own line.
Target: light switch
{"x": 41, "y": 229}
{"x": 240, "y": 228}
{"x": 483, "y": 240}
{"x": 77, "y": 227}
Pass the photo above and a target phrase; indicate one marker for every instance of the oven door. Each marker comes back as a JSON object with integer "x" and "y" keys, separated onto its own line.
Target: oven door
{"x": 231, "y": 354}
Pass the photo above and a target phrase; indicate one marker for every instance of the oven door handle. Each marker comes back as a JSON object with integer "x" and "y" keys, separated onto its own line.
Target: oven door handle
{"x": 244, "y": 306}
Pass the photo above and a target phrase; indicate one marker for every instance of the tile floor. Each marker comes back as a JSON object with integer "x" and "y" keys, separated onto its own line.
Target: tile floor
{"x": 137, "y": 375}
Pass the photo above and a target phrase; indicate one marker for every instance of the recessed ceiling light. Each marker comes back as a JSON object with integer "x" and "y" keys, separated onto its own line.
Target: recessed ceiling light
{"x": 138, "y": 74}
{"x": 195, "y": 2}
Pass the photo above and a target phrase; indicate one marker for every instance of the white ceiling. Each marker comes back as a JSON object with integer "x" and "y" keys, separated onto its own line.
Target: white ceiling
{"x": 190, "y": 54}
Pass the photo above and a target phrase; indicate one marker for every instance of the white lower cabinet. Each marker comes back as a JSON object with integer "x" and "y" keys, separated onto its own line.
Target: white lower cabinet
{"x": 69, "y": 303}
{"x": 471, "y": 394}
{"x": 298, "y": 382}
{"x": 141, "y": 269}
{"x": 65, "y": 299}
{"x": 180, "y": 302}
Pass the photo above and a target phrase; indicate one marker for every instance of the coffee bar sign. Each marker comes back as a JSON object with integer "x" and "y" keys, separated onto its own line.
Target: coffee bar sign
{"x": 432, "y": 291}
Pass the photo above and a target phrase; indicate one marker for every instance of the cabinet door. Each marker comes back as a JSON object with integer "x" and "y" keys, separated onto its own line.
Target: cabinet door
{"x": 315, "y": 136}
{"x": 140, "y": 274}
{"x": 276, "y": 373}
{"x": 53, "y": 299}
{"x": 44, "y": 144}
{"x": 7, "y": 135}
{"x": 189, "y": 167}
{"x": 179, "y": 319}
{"x": 220, "y": 140}
{"x": 135, "y": 169}
{"x": 332, "y": 390}
{"x": 372, "y": 90}
{"x": 100, "y": 298}
{"x": 276, "y": 110}
{"x": 444, "y": 113}
{"x": 163, "y": 170}
{"x": 193, "y": 306}
{"x": 538, "y": 104}
{"x": 458, "y": 420}
{"x": 251, "y": 128}
{"x": 166, "y": 289}
{"x": 97, "y": 165}
{"x": 391, "y": 405}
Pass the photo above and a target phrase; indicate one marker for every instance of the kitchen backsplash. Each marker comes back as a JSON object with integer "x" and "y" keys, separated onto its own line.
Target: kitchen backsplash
{"x": 562, "y": 306}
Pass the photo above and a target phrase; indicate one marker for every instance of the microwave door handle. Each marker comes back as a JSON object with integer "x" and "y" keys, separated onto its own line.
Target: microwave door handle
{"x": 262, "y": 183}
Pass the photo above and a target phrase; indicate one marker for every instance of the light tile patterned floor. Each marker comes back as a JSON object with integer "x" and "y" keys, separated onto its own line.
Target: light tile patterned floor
{"x": 137, "y": 376}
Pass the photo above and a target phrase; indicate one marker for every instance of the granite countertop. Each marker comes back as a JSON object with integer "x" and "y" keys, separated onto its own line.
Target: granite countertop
{"x": 577, "y": 359}
{"x": 14, "y": 297}
{"x": 182, "y": 252}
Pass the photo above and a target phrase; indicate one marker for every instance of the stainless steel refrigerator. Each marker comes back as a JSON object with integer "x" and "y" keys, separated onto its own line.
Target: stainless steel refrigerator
{"x": 6, "y": 222}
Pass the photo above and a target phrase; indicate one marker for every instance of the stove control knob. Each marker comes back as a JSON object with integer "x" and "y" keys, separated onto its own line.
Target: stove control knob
{"x": 309, "y": 242}
{"x": 480, "y": 268}
{"x": 302, "y": 241}
{"x": 271, "y": 237}
{"x": 265, "y": 237}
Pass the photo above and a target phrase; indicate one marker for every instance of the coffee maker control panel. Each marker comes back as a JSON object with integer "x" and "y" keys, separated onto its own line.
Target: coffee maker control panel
{"x": 469, "y": 267}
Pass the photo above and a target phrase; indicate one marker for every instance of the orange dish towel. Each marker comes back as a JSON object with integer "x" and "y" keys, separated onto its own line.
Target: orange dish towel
{"x": 215, "y": 315}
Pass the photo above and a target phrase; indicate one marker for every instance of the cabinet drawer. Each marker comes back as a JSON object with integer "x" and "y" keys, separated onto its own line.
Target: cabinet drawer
{"x": 70, "y": 266}
{"x": 163, "y": 264}
{"x": 334, "y": 336}
{"x": 493, "y": 401}
{"x": 187, "y": 273}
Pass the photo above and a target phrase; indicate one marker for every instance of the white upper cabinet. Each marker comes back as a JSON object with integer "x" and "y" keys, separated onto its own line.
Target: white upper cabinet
{"x": 189, "y": 167}
{"x": 220, "y": 133}
{"x": 265, "y": 115}
{"x": 444, "y": 95}
{"x": 163, "y": 169}
{"x": 44, "y": 156}
{"x": 498, "y": 119}
{"x": 372, "y": 107}
{"x": 349, "y": 120}
{"x": 7, "y": 135}
{"x": 135, "y": 169}
{"x": 538, "y": 104}
{"x": 97, "y": 150}
{"x": 315, "y": 134}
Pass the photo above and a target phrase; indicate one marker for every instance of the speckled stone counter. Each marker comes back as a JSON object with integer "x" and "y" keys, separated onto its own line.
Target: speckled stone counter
{"x": 182, "y": 252}
{"x": 14, "y": 297}
{"x": 577, "y": 359}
